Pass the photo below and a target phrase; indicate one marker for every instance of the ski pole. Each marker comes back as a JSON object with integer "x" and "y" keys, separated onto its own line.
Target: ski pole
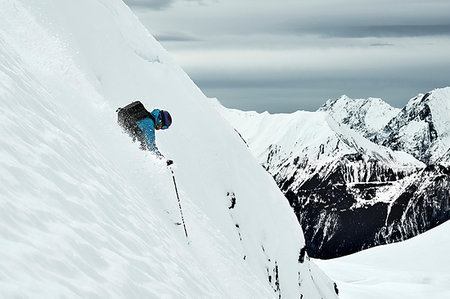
{"x": 179, "y": 204}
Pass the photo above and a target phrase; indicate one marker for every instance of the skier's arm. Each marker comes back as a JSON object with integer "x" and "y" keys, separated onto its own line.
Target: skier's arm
{"x": 151, "y": 143}
{"x": 148, "y": 128}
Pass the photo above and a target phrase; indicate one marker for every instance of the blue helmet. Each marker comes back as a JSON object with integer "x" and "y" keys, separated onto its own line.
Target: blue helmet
{"x": 165, "y": 118}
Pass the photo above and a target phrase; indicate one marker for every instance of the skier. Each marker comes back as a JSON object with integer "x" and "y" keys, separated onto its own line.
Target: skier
{"x": 141, "y": 125}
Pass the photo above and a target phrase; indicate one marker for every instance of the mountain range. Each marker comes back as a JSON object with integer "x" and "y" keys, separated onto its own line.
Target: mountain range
{"x": 357, "y": 172}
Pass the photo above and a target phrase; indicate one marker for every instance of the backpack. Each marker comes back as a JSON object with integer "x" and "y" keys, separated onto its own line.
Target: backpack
{"x": 127, "y": 118}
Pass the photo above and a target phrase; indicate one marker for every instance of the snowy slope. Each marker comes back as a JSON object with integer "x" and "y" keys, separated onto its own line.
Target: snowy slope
{"x": 416, "y": 268}
{"x": 85, "y": 214}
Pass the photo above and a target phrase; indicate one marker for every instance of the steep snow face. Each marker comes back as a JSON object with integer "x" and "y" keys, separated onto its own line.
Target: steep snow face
{"x": 422, "y": 127}
{"x": 367, "y": 116}
{"x": 85, "y": 213}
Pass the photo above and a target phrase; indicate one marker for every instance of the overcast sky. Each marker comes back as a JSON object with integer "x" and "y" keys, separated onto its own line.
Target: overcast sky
{"x": 288, "y": 55}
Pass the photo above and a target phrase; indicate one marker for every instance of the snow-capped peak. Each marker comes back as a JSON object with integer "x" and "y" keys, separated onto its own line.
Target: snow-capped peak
{"x": 422, "y": 127}
{"x": 284, "y": 142}
{"x": 366, "y": 116}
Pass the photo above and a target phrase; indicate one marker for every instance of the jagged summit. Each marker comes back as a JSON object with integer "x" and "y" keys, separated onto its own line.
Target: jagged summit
{"x": 366, "y": 116}
{"x": 422, "y": 127}
{"x": 310, "y": 138}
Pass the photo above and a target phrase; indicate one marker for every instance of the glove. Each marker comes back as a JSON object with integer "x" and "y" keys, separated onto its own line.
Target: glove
{"x": 169, "y": 162}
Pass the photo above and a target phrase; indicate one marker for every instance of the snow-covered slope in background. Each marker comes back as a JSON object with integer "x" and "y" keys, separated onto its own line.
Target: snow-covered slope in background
{"x": 416, "y": 268}
{"x": 85, "y": 214}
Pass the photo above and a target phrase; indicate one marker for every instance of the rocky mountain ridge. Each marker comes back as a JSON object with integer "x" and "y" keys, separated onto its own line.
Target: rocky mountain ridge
{"x": 358, "y": 173}
{"x": 421, "y": 128}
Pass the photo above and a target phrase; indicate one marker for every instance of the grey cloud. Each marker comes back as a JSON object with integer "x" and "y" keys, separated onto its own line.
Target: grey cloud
{"x": 335, "y": 28}
{"x": 384, "y": 31}
{"x": 157, "y": 4}
{"x": 176, "y": 37}
{"x": 291, "y": 91}
{"x": 150, "y": 4}
{"x": 349, "y": 19}
{"x": 381, "y": 45}
{"x": 313, "y": 95}
{"x": 345, "y": 29}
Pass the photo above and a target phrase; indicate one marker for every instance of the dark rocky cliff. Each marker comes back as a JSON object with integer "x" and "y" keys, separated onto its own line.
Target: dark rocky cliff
{"x": 340, "y": 216}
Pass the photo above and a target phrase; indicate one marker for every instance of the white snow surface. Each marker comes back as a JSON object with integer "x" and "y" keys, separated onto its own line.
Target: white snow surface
{"x": 85, "y": 214}
{"x": 416, "y": 268}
